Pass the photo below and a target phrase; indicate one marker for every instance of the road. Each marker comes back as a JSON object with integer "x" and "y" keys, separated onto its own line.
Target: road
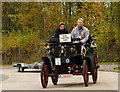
{"x": 12, "y": 80}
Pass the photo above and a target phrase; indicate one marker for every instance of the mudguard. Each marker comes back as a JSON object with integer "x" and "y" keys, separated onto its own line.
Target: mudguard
{"x": 45, "y": 59}
{"x": 90, "y": 57}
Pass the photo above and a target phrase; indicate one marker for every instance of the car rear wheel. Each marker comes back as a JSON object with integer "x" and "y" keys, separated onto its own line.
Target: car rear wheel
{"x": 85, "y": 73}
{"x": 54, "y": 77}
{"x": 94, "y": 76}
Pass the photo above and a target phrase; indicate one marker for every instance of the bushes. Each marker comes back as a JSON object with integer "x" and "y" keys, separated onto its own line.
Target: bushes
{"x": 108, "y": 52}
{"x": 22, "y": 47}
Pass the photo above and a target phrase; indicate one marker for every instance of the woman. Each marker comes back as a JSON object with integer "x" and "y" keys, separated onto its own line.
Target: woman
{"x": 60, "y": 30}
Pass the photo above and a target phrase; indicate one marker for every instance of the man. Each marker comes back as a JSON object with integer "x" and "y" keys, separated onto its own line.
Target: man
{"x": 80, "y": 31}
{"x": 60, "y": 30}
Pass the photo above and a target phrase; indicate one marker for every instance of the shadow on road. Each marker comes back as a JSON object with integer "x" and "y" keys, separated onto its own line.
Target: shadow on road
{"x": 70, "y": 85}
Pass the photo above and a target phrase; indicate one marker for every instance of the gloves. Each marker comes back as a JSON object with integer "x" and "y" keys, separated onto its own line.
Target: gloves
{"x": 82, "y": 41}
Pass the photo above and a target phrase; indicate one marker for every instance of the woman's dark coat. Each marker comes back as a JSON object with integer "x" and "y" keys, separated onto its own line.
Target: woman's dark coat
{"x": 59, "y": 31}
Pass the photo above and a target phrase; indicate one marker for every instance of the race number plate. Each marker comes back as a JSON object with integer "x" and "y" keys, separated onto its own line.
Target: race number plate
{"x": 57, "y": 61}
{"x": 64, "y": 75}
{"x": 65, "y": 38}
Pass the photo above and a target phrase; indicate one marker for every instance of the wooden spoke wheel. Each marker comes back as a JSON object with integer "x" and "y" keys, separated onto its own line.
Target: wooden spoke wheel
{"x": 54, "y": 77}
{"x": 94, "y": 76}
{"x": 85, "y": 73}
{"x": 44, "y": 76}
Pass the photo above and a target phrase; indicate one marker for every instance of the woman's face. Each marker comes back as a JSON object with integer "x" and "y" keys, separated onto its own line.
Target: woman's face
{"x": 62, "y": 27}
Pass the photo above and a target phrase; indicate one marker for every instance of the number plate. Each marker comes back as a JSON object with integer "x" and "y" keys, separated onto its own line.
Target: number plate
{"x": 64, "y": 75}
{"x": 65, "y": 38}
{"x": 57, "y": 61}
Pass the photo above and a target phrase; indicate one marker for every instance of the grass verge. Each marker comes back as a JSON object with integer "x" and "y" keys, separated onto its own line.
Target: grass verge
{"x": 117, "y": 68}
{"x": 109, "y": 63}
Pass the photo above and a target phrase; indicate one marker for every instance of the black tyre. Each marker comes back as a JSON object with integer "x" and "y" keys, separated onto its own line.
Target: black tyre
{"x": 85, "y": 73}
{"x": 54, "y": 77}
{"x": 44, "y": 76}
{"x": 95, "y": 75}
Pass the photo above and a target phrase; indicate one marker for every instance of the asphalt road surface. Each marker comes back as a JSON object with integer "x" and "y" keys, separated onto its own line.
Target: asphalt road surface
{"x": 30, "y": 80}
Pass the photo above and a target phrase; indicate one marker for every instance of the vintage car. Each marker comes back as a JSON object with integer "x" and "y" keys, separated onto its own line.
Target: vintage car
{"x": 67, "y": 55}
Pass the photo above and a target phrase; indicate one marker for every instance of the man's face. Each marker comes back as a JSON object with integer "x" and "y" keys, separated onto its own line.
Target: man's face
{"x": 80, "y": 23}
